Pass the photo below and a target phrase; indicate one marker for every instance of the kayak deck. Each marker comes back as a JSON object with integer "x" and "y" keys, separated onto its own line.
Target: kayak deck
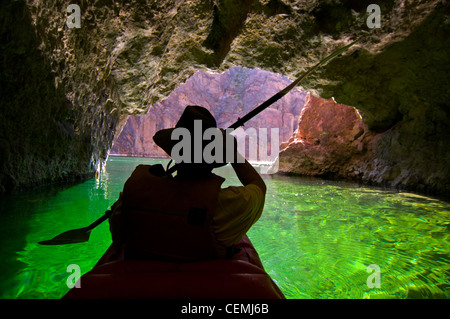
{"x": 242, "y": 277}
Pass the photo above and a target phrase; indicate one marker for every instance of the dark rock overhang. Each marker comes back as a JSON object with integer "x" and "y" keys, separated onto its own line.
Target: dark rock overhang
{"x": 126, "y": 56}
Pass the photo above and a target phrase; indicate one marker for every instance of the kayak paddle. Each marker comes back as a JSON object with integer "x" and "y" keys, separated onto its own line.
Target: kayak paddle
{"x": 81, "y": 235}
{"x": 283, "y": 92}
{"x": 276, "y": 96}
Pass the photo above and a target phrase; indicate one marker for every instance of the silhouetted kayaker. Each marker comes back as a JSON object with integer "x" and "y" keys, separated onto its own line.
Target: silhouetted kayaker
{"x": 189, "y": 216}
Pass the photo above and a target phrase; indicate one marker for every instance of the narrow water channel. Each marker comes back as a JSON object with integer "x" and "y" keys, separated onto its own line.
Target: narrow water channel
{"x": 317, "y": 239}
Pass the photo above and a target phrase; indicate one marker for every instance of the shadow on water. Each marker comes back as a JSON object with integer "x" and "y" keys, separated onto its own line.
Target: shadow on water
{"x": 30, "y": 270}
{"x": 31, "y": 108}
{"x": 316, "y": 238}
{"x": 16, "y": 213}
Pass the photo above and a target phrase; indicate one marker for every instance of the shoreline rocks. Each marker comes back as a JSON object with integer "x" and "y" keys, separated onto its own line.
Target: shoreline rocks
{"x": 333, "y": 142}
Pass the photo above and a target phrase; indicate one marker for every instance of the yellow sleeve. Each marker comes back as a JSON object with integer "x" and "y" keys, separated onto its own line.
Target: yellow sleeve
{"x": 238, "y": 208}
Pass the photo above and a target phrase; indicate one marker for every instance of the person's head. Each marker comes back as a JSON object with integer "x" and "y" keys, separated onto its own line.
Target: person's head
{"x": 194, "y": 121}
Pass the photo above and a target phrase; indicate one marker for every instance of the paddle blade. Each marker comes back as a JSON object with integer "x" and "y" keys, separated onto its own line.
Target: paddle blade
{"x": 73, "y": 236}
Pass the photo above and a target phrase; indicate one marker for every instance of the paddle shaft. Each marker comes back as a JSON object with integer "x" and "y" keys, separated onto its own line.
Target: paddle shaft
{"x": 279, "y": 95}
{"x": 276, "y": 97}
{"x": 100, "y": 220}
{"x": 247, "y": 117}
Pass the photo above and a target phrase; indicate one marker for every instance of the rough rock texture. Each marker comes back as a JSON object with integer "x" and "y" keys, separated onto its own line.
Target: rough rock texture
{"x": 56, "y": 120}
{"x": 330, "y": 140}
{"x": 128, "y": 55}
{"x": 228, "y": 96}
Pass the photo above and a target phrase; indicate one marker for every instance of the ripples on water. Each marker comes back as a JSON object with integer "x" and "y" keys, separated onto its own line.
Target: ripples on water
{"x": 327, "y": 236}
{"x": 315, "y": 238}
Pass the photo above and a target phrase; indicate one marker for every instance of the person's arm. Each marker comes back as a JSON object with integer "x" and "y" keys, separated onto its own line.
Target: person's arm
{"x": 244, "y": 170}
{"x": 116, "y": 222}
{"x": 247, "y": 173}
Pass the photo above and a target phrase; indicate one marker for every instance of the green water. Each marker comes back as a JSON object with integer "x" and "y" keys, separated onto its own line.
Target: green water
{"x": 315, "y": 238}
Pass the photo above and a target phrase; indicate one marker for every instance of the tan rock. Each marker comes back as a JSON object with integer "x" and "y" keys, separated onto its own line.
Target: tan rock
{"x": 329, "y": 139}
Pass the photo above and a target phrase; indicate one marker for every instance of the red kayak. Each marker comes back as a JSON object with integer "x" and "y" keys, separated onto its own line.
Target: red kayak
{"x": 242, "y": 277}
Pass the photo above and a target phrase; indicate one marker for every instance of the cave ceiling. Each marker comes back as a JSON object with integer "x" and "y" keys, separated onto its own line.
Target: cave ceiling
{"x": 143, "y": 50}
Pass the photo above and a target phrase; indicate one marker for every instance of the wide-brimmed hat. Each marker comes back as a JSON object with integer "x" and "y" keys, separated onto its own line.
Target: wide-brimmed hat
{"x": 163, "y": 138}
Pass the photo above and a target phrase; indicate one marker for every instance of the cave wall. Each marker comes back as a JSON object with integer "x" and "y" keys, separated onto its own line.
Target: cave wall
{"x": 57, "y": 119}
{"x": 66, "y": 92}
{"x": 45, "y": 136}
{"x": 332, "y": 141}
{"x": 402, "y": 95}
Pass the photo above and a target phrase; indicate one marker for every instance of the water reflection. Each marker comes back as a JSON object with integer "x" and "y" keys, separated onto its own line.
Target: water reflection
{"x": 328, "y": 233}
{"x": 315, "y": 238}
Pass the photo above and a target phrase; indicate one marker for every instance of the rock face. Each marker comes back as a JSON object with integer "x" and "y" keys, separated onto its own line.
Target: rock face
{"x": 66, "y": 92}
{"x": 330, "y": 139}
{"x": 57, "y": 118}
{"x": 227, "y": 96}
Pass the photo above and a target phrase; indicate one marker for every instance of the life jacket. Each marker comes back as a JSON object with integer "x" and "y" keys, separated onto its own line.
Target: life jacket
{"x": 170, "y": 219}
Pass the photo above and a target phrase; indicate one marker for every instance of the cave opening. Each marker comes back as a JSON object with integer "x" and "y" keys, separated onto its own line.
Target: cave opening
{"x": 228, "y": 96}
